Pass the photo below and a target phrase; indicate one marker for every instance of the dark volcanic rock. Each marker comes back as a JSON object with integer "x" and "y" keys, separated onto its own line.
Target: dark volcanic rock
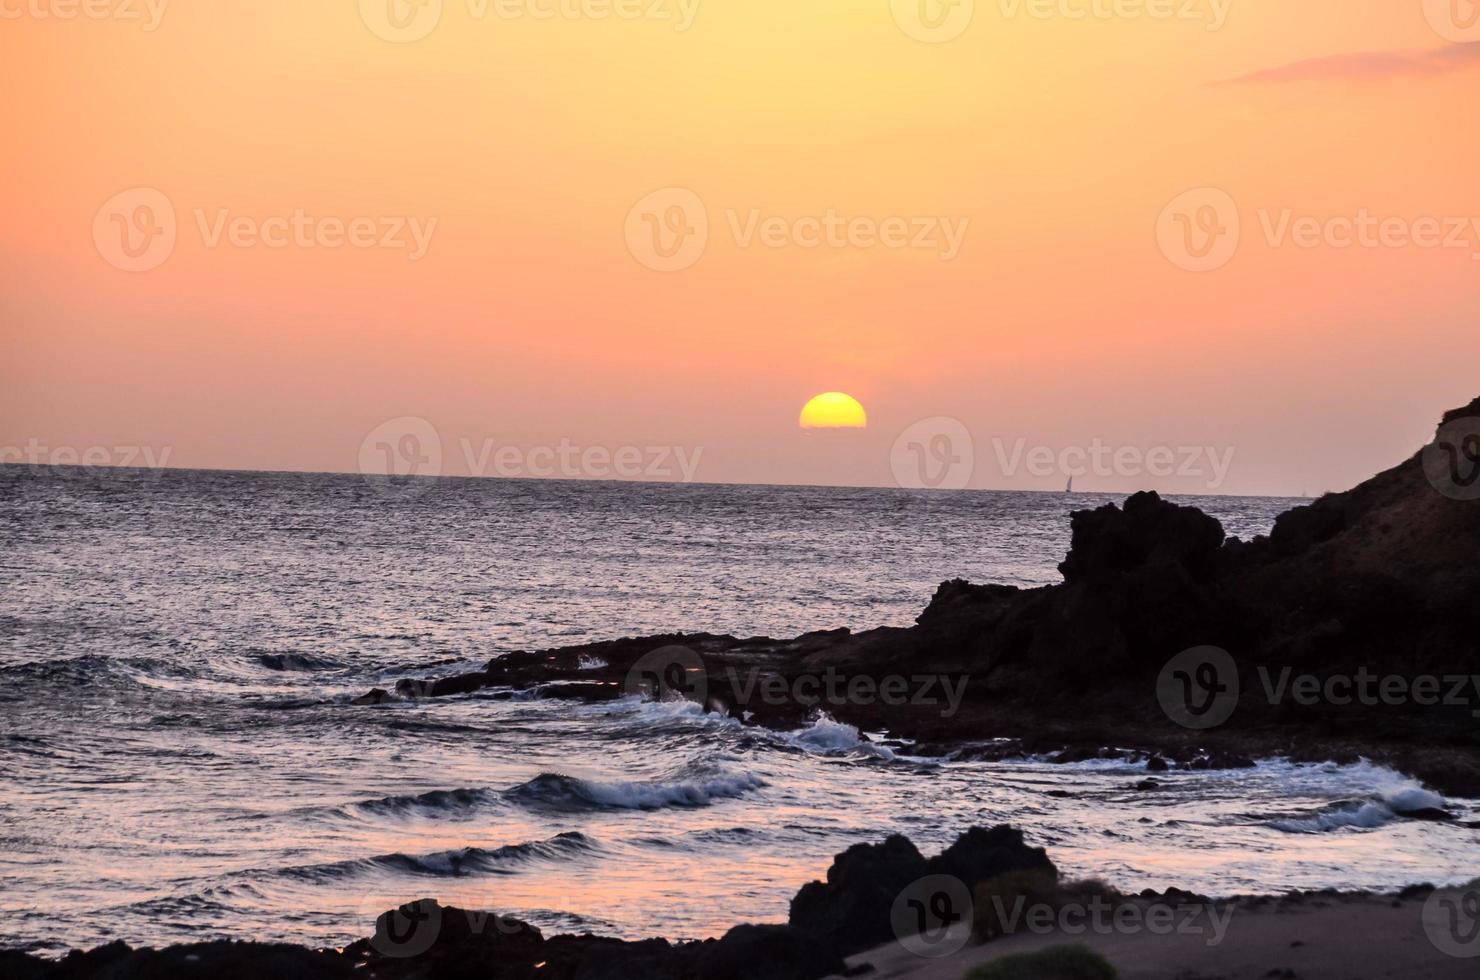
{"x": 980, "y": 854}
{"x": 19, "y": 966}
{"x": 447, "y": 942}
{"x": 1145, "y": 531}
{"x": 774, "y": 952}
{"x": 852, "y": 908}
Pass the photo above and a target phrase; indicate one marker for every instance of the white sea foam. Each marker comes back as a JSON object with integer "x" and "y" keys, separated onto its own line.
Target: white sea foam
{"x": 653, "y": 796}
{"x": 570, "y": 793}
{"x": 1394, "y": 797}
{"x": 830, "y": 737}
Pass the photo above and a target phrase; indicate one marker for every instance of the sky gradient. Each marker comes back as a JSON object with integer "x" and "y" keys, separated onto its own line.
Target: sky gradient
{"x": 631, "y": 232}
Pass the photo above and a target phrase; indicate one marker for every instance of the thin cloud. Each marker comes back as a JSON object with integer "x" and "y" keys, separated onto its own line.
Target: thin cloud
{"x": 1370, "y": 66}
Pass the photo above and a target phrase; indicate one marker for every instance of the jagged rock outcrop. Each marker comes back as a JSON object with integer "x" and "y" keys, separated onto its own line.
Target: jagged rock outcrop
{"x": 1381, "y": 578}
{"x": 852, "y": 908}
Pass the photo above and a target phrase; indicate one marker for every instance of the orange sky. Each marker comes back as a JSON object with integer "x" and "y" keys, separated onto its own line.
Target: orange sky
{"x": 530, "y": 315}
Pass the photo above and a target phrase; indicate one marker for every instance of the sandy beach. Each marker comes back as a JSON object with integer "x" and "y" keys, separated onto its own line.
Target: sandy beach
{"x": 1308, "y": 937}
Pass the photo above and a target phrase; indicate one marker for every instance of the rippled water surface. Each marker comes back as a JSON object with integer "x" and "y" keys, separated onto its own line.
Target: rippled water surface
{"x": 178, "y": 652}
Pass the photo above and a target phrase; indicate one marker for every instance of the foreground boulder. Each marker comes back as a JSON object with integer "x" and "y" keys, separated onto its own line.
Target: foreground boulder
{"x": 853, "y": 908}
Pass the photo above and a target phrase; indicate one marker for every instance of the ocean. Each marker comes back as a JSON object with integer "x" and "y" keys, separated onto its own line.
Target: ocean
{"x": 181, "y": 759}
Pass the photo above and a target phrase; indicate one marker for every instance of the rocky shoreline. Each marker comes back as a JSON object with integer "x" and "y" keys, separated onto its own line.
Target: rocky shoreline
{"x": 1380, "y": 582}
{"x": 848, "y": 913}
{"x": 878, "y": 902}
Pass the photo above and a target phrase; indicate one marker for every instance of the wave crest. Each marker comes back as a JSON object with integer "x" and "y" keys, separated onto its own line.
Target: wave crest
{"x": 553, "y": 790}
{"x": 454, "y": 863}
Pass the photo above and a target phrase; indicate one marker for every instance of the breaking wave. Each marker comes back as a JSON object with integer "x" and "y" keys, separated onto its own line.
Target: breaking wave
{"x": 454, "y": 863}
{"x": 553, "y": 790}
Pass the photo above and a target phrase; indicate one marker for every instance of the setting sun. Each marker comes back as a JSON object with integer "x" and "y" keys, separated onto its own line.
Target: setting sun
{"x": 833, "y": 410}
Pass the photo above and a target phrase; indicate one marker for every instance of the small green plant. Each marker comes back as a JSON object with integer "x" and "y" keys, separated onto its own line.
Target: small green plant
{"x": 1057, "y": 963}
